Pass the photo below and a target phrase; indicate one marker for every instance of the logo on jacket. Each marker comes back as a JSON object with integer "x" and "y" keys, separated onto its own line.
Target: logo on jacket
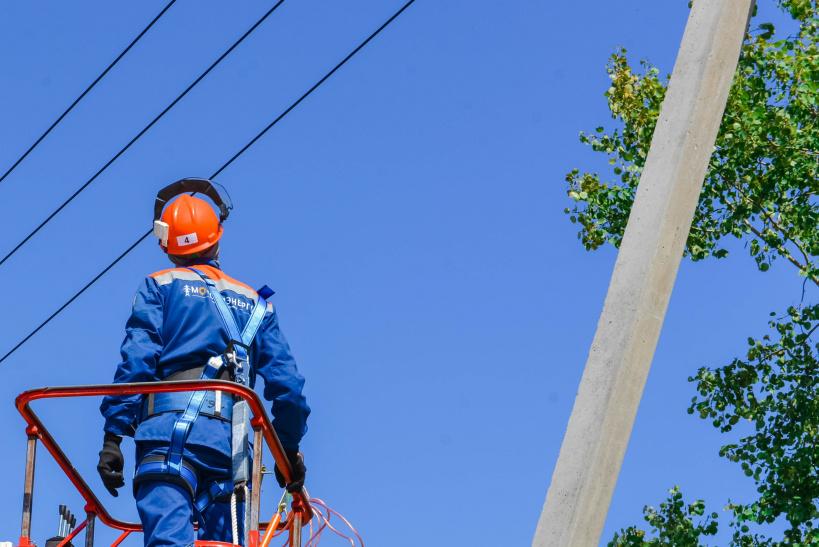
{"x": 202, "y": 291}
{"x": 194, "y": 290}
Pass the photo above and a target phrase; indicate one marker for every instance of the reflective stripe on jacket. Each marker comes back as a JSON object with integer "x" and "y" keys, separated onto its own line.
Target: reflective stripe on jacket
{"x": 174, "y": 326}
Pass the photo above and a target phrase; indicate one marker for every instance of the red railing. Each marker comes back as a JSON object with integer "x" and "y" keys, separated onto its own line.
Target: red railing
{"x": 262, "y": 429}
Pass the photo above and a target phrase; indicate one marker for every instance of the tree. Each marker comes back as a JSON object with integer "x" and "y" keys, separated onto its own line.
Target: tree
{"x": 761, "y": 187}
{"x": 672, "y": 524}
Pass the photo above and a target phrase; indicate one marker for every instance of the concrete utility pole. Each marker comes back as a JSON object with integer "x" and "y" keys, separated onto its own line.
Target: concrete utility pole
{"x": 623, "y": 347}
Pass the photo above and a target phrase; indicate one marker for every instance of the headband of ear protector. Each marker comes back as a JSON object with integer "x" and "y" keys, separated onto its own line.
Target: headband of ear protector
{"x": 194, "y": 186}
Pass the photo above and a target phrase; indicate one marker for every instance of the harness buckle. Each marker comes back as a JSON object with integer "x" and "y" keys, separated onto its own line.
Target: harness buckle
{"x": 238, "y": 361}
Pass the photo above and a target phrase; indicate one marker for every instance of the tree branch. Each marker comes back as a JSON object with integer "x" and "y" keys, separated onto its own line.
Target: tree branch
{"x": 785, "y": 253}
{"x": 807, "y": 267}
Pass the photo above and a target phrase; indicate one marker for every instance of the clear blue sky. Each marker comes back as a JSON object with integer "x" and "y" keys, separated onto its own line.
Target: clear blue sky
{"x": 409, "y": 216}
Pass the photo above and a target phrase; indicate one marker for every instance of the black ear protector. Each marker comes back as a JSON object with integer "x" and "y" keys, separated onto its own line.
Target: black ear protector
{"x": 219, "y": 196}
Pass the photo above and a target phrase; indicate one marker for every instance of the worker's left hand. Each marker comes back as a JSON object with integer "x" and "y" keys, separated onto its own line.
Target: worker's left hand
{"x": 299, "y": 471}
{"x": 111, "y": 463}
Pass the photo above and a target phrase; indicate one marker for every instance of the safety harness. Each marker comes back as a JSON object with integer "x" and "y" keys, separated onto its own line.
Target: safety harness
{"x": 172, "y": 466}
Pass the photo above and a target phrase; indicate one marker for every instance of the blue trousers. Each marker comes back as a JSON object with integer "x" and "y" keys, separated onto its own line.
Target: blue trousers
{"x": 166, "y": 509}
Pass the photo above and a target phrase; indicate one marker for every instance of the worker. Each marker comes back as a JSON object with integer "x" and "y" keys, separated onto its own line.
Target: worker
{"x": 179, "y": 331}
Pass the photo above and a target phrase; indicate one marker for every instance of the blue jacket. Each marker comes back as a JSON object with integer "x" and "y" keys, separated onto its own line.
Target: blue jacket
{"x": 173, "y": 327}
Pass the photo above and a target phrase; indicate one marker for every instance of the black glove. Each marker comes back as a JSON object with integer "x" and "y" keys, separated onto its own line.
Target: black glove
{"x": 111, "y": 462}
{"x": 299, "y": 471}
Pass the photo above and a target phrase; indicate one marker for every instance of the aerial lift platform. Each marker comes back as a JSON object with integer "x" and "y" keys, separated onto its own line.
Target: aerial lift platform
{"x": 303, "y": 511}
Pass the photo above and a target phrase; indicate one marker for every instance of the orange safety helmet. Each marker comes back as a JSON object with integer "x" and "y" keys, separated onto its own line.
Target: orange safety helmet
{"x": 189, "y": 224}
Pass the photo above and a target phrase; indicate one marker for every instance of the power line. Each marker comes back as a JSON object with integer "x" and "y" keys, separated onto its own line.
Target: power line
{"x": 233, "y": 158}
{"x": 144, "y": 130}
{"x": 314, "y": 87}
{"x": 87, "y": 89}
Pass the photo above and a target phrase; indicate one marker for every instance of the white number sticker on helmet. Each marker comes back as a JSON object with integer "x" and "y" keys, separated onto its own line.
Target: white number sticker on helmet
{"x": 187, "y": 239}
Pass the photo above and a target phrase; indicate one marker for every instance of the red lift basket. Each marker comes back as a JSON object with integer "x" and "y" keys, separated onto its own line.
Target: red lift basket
{"x": 300, "y": 513}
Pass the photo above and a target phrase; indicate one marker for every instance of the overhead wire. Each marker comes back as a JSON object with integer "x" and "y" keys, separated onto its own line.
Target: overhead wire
{"x": 144, "y": 130}
{"x": 84, "y": 93}
{"x": 222, "y": 168}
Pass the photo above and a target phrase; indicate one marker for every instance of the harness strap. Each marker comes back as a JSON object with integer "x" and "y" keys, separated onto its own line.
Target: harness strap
{"x": 155, "y": 468}
{"x": 172, "y": 466}
{"x": 239, "y": 341}
{"x": 216, "y": 404}
{"x": 249, "y": 332}
{"x": 217, "y": 491}
{"x": 183, "y": 424}
{"x": 255, "y": 320}
{"x": 238, "y": 355}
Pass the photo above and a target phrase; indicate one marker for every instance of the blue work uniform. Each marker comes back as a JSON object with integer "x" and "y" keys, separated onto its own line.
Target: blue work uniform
{"x": 174, "y": 327}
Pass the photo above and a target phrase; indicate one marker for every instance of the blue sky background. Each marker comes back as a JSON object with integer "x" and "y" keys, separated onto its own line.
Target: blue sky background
{"x": 409, "y": 216}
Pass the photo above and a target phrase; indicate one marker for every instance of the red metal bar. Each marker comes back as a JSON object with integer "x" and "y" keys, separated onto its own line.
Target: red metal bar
{"x": 121, "y": 538}
{"x": 67, "y": 539}
{"x": 93, "y": 504}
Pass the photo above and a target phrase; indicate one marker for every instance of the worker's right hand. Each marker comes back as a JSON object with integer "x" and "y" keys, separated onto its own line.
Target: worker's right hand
{"x": 111, "y": 463}
{"x": 299, "y": 471}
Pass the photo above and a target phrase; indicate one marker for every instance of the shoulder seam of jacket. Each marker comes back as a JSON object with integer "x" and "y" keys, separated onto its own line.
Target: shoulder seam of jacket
{"x": 165, "y": 277}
